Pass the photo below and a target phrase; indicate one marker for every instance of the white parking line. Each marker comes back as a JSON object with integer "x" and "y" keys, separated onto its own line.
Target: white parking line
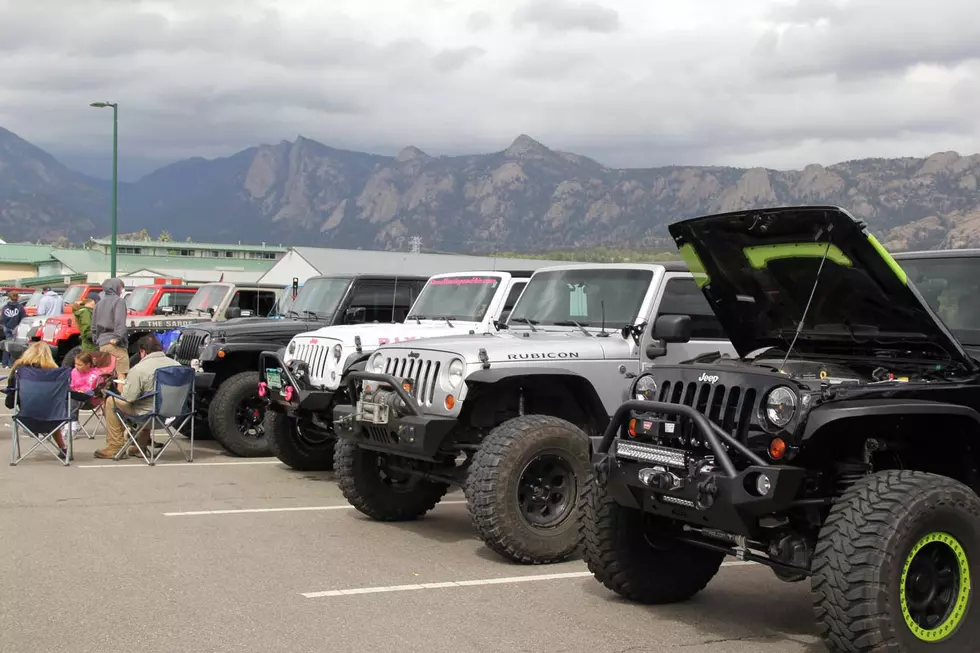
{"x": 470, "y": 583}
{"x": 184, "y": 464}
{"x": 288, "y": 509}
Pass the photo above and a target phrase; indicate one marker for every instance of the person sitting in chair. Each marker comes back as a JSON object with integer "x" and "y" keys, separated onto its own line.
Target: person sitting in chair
{"x": 140, "y": 381}
{"x": 37, "y": 354}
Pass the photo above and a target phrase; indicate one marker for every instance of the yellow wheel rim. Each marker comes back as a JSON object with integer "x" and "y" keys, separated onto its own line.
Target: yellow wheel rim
{"x": 955, "y": 613}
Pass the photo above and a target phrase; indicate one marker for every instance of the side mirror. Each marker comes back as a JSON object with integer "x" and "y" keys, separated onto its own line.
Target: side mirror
{"x": 672, "y": 329}
{"x": 232, "y": 312}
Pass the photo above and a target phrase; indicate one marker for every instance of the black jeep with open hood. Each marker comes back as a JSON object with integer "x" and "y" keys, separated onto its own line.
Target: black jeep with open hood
{"x": 842, "y": 445}
{"x": 226, "y": 354}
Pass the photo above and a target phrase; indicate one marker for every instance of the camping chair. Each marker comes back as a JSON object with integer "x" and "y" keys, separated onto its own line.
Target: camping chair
{"x": 42, "y": 398}
{"x": 94, "y": 403}
{"x": 173, "y": 407}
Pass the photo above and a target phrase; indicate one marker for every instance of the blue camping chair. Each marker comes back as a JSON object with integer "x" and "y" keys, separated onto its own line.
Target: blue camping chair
{"x": 173, "y": 402}
{"x": 42, "y": 399}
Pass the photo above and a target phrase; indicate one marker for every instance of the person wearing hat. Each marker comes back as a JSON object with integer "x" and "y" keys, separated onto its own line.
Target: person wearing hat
{"x": 83, "y": 316}
{"x": 50, "y": 304}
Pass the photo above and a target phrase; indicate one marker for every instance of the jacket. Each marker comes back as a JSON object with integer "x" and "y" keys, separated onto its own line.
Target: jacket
{"x": 50, "y": 304}
{"x": 13, "y": 313}
{"x": 141, "y": 379}
{"x": 109, "y": 316}
{"x": 83, "y": 316}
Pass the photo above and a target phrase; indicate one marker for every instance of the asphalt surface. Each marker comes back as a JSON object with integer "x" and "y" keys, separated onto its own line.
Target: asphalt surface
{"x": 93, "y": 559}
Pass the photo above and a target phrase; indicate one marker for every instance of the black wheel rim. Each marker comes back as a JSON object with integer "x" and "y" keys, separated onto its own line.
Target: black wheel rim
{"x": 249, "y": 417}
{"x": 933, "y": 592}
{"x": 546, "y": 490}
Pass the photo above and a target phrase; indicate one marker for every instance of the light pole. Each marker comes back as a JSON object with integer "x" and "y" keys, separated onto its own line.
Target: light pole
{"x": 115, "y": 178}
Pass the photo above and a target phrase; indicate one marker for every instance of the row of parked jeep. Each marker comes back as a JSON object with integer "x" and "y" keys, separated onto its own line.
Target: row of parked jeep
{"x": 788, "y": 394}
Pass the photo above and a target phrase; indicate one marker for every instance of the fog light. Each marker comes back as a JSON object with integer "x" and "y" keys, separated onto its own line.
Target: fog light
{"x": 762, "y": 485}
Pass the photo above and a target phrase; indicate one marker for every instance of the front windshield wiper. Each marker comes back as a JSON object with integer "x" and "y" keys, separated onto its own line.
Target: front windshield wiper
{"x": 443, "y": 317}
{"x": 418, "y": 318}
{"x": 571, "y": 322}
{"x": 309, "y": 313}
{"x": 291, "y": 313}
{"x": 526, "y": 320}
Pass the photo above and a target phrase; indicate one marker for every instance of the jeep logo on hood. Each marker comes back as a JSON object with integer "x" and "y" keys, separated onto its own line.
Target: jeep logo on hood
{"x": 707, "y": 377}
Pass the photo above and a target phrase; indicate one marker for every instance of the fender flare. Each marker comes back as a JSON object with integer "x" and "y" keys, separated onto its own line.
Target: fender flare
{"x": 500, "y": 373}
{"x": 823, "y": 417}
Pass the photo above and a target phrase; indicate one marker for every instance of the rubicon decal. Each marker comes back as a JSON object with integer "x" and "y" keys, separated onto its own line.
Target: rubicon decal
{"x": 543, "y": 355}
{"x": 388, "y": 341}
{"x": 708, "y": 377}
{"x": 458, "y": 281}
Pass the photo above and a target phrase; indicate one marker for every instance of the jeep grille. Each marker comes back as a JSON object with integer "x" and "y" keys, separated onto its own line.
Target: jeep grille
{"x": 728, "y": 407}
{"x": 188, "y": 347}
{"x": 316, "y": 357}
{"x": 423, "y": 373}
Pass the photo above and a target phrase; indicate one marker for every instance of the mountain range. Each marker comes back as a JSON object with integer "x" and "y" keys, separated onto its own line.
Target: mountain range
{"x": 526, "y": 197}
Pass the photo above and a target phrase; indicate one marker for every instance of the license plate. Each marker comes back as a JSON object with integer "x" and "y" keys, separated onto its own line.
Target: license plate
{"x": 274, "y": 378}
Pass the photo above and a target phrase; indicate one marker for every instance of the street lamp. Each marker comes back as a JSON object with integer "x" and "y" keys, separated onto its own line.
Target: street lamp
{"x": 115, "y": 178}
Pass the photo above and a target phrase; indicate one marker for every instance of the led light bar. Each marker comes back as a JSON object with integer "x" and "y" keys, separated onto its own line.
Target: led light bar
{"x": 649, "y": 453}
{"x": 677, "y": 501}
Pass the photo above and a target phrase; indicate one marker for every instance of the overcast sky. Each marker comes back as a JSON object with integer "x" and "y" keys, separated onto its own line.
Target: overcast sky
{"x": 629, "y": 82}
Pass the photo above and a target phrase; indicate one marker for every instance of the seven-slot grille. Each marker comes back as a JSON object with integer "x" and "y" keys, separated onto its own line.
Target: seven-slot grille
{"x": 728, "y": 407}
{"x": 49, "y": 332}
{"x": 188, "y": 347}
{"x": 423, "y": 373}
{"x": 316, "y": 356}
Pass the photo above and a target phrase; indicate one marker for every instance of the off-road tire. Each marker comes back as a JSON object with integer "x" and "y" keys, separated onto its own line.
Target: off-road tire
{"x": 492, "y": 480}
{"x": 619, "y": 554}
{"x": 286, "y": 444}
{"x": 221, "y": 416}
{"x": 863, "y": 550}
{"x": 68, "y": 360}
{"x": 358, "y": 475}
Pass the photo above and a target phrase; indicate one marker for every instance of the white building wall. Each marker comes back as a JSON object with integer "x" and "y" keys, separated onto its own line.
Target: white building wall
{"x": 289, "y": 266}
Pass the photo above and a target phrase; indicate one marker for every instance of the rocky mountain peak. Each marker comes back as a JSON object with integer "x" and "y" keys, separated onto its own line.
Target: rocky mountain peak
{"x": 411, "y": 153}
{"x": 526, "y": 147}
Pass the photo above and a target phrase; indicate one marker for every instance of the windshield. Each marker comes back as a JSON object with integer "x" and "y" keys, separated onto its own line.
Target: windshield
{"x": 950, "y": 286}
{"x": 34, "y": 299}
{"x": 563, "y": 297}
{"x": 207, "y": 296}
{"x": 318, "y": 297}
{"x": 139, "y": 299}
{"x": 464, "y": 298}
{"x": 73, "y": 293}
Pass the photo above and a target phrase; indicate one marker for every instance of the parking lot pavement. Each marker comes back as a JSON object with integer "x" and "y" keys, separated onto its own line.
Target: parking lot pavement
{"x": 228, "y": 554}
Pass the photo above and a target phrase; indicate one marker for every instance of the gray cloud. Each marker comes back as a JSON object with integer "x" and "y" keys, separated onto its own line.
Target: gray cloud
{"x": 567, "y": 16}
{"x": 650, "y": 85}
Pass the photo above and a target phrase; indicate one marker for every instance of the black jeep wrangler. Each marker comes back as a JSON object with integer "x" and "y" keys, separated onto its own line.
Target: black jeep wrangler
{"x": 841, "y": 446}
{"x": 226, "y": 354}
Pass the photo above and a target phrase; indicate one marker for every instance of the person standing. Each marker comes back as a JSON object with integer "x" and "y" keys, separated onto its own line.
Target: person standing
{"x": 13, "y": 312}
{"x": 109, "y": 325}
{"x": 50, "y": 303}
{"x": 83, "y": 316}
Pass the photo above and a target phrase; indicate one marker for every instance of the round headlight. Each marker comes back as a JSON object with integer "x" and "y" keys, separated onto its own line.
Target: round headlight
{"x": 455, "y": 372}
{"x": 206, "y": 339}
{"x": 337, "y": 350}
{"x": 292, "y": 347}
{"x": 780, "y": 406}
{"x": 376, "y": 364}
{"x": 645, "y": 388}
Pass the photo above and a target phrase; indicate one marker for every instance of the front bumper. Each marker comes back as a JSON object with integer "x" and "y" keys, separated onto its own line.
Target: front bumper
{"x": 303, "y": 398}
{"x": 689, "y": 486}
{"x": 414, "y": 435}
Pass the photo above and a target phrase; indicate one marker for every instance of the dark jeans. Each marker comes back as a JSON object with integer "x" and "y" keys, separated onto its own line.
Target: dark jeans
{"x": 7, "y": 358}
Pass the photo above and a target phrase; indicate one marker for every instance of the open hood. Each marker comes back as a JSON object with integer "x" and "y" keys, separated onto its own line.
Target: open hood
{"x": 757, "y": 269}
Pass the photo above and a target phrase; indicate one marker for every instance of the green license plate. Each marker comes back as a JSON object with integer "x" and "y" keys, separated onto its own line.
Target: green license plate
{"x": 274, "y": 378}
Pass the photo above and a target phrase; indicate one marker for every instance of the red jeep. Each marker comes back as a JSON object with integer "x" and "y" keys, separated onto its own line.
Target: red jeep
{"x": 64, "y": 337}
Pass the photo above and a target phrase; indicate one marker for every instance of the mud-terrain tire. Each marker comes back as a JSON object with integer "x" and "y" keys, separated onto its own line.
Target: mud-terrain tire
{"x": 224, "y": 420}
{"x": 358, "y": 474}
{"x": 288, "y": 443}
{"x": 535, "y": 521}
{"x": 622, "y": 554}
{"x": 68, "y": 360}
{"x": 891, "y": 526}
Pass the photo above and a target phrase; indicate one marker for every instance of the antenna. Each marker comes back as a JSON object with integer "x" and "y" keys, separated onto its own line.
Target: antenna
{"x": 602, "y": 308}
{"x": 394, "y": 295}
{"x": 813, "y": 291}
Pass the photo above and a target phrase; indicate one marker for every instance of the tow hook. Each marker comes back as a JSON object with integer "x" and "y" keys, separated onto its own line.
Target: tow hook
{"x": 602, "y": 471}
{"x": 263, "y": 388}
{"x": 707, "y": 491}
